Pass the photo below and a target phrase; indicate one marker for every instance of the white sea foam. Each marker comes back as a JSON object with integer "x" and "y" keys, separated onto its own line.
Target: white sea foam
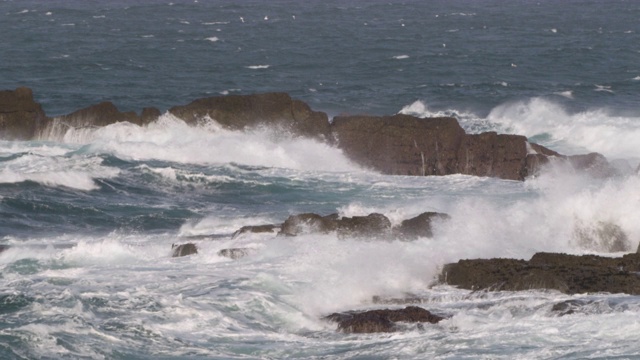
{"x": 401, "y": 57}
{"x": 257, "y": 67}
{"x": 212, "y": 39}
{"x": 598, "y": 130}
{"x": 74, "y": 172}
{"x": 173, "y": 140}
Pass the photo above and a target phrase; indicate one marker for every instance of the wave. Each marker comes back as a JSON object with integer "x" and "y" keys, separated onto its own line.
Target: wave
{"x": 171, "y": 139}
{"x": 550, "y": 124}
{"x": 52, "y": 166}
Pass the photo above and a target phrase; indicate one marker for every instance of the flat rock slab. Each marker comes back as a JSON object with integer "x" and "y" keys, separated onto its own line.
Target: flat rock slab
{"x": 374, "y": 321}
{"x": 571, "y": 274}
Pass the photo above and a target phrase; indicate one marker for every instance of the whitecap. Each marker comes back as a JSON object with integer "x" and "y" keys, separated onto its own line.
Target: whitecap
{"x": 636, "y": 78}
{"x": 254, "y": 67}
{"x": 604, "y": 88}
{"x": 568, "y": 94}
{"x": 400, "y": 57}
{"x": 212, "y": 39}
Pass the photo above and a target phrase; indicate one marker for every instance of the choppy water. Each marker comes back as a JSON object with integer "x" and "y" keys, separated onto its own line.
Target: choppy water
{"x": 90, "y": 219}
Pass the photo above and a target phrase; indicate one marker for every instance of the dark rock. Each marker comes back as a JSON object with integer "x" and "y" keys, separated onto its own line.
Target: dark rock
{"x": 20, "y": 115}
{"x": 184, "y": 249}
{"x": 419, "y": 226}
{"x": 407, "y": 145}
{"x": 234, "y": 253}
{"x": 400, "y": 144}
{"x": 308, "y": 223}
{"x": 238, "y": 112}
{"x": 149, "y": 115}
{"x": 255, "y": 229}
{"x": 593, "y": 163}
{"x": 381, "y": 320}
{"x": 370, "y": 226}
{"x": 570, "y": 274}
{"x": 569, "y": 307}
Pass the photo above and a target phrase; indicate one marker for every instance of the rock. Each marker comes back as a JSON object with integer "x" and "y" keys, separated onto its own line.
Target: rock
{"x": 95, "y": 116}
{"x": 400, "y": 144}
{"x": 569, "y": 274}
{"x": 419, "y": 226}
{"x": 370, "y": 226}
{"x": 568, "y": 307}
{"x": 149, "y": 115}
{"x": 593, "y": 163}
{"x": 238, "y": 112}
{"x": 184, "y": 249}
{"x": 255, "y": 229}
{"x": 308, "y": 223}
{"x": 234, "y": 253}
{"x": 381, "y": 320}
{"x": 407, "y": 145}
{"x": 20, "y": 115}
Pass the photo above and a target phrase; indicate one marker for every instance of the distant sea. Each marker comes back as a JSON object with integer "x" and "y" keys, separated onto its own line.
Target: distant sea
{"x": 89, "y": 218}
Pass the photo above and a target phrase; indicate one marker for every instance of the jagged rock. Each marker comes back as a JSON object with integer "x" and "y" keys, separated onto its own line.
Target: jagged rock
{"x": 184, "y": 249}
{"x": 234, "y": 253}
{"x": 570, "y": 274}
{"x": 381, "y": 320}
{"x": 407, "y": 145}
{"x": 237, "y": 112}
{"x": 568, "y": 307}
{"x": 20, "y": 115}
{"x": 95, "y": 116}
{"x": 308, "y": 223}
{"x": 370, "y": 226}
{"x": 400, "y": 144}
{"x": 419, "y": 226}
{"x": 255, "y": 229}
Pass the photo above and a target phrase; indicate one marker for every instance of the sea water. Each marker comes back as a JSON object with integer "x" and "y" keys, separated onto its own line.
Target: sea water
{"x": 89, "y": 216}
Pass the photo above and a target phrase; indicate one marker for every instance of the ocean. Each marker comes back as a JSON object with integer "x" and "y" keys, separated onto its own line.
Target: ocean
{"x": 89, "y": 217}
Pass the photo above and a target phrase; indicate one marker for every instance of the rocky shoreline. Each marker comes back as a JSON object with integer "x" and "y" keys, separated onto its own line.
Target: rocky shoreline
{"x": 395, "y": 145}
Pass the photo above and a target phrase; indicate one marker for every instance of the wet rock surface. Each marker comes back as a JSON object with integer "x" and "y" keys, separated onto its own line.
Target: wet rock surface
{"x": 385, "y": 320}
{"x": 183, "y": 249}
{"x": 569, "y": 274}
{"x": 398, "y": 144}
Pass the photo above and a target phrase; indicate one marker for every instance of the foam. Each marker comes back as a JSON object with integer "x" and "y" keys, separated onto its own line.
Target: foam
{"x": 75, "y": 172}
{"x": 171, "y": 139}
{"x": 257, "y": 67}
{"x": 599, "y": 130}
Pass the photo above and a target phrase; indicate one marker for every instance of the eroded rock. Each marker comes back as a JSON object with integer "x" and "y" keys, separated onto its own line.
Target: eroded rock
{"x": 184, "y": 249}
{"x": 569, "y": 274}
{"x": 385, "y": 320}
{"x": 20, "y": 115}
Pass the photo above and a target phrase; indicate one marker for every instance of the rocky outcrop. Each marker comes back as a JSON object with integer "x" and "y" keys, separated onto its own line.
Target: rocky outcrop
{"x": 255, "y": 229}
{"x": 419, "y": 226}
{"x": 183, "y": 249}
{"x": 370, "y": 226}
{"x": 385, "y": 320}
{"x": 569, "y": 274}
{"x": 238, "y": 112}
{"x": 20, "y": 115}
{"x": 399, "y": 144}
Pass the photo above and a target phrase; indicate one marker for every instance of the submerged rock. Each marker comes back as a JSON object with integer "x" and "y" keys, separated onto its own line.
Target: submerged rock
{"x": 234, "y": 253}
{"x": 308, "y": 223}
{"x": 255, "y": 229}
{"x": 371, "y": 226}
{"x": 184, "y": 249}
{"x": 385, "y": 320}
{"x": 569, "y": 274}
